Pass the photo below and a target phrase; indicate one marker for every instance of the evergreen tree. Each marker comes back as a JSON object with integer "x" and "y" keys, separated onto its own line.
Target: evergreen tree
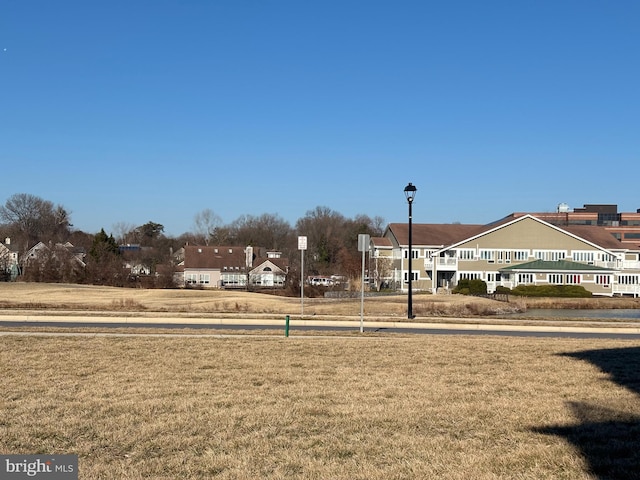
{"x": 104, "y": 247}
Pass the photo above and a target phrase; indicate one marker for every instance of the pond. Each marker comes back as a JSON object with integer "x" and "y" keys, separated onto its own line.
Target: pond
{"x": 604, "y": 314}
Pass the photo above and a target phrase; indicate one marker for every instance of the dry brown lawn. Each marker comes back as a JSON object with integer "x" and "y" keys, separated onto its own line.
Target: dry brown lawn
{"x": 58, "y": 297}
{"x": 433, "y": 407}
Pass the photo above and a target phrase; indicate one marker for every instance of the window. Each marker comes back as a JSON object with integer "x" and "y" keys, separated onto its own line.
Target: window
{"x": 469, "y": 275}
{"x": 583, "y": 257}
{"x": 205, "y": 279}
{"x": 488, "y": 255}
{"x": 555, "y": 278}
{"x": 466, "y": 254}
{"x": 604, "y": 280}
{"x": 504, "y": 256}
{"x": 414, "y": 276}
{"x": 549, "y": 255}
{"x": 414, "y": 253}
{"x": 572, "y": 279}
{"x": 520, "y": 255}
{"x": 628, "y": 279}
{"x": 525, "y": 278}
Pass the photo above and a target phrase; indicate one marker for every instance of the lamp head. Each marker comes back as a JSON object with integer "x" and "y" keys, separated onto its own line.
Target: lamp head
{"x": 410, "y": 192}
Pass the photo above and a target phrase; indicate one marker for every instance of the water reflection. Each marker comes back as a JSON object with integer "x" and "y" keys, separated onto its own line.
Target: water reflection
{"x": 606, "y": 314}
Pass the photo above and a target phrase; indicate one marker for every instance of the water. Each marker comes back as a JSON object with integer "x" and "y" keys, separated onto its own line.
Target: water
{"x": 605, "y": 314}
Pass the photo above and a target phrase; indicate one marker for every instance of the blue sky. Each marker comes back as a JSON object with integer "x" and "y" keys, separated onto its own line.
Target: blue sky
{"x": 137, "y": 111}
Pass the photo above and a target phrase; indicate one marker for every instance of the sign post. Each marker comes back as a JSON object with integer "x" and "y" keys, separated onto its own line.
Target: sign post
{"x": 363, "y": 246}
{"x": 302, "y": 246}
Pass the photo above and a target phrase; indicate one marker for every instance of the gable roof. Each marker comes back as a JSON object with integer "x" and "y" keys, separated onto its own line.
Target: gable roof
{"x": 433, "y": 234}
{"x": 213, "y": 257}
{"x": 381, "y": 242}
{"x": 218, "y": 257}
{"x": 555, "y": 265}
{"x": 276, "y": 265}
{"x": 594, "y": 235}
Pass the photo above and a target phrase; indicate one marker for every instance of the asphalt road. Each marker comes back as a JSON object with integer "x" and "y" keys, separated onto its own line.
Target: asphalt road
{"x": 422, "y": 329}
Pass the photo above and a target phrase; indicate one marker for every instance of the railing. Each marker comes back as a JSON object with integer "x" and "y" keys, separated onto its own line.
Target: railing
{"x": 450, "y": 262}
{"x": 501, "y": 297}
{"x": 613, "y": 264}
{"x": 626, "y": 289}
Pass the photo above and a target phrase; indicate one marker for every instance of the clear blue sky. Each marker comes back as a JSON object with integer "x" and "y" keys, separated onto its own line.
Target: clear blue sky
{"x": 137, "y": 111}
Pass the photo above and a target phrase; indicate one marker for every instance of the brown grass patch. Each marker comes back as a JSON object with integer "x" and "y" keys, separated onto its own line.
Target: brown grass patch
{"x": 58, "y": 297}
{"x": 87, "y": 298}
{"x": 445, "y": 407}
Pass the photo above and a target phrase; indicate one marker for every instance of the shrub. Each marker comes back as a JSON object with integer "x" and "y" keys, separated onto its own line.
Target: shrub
{"x": 478, "y": 287}
{"x": 570, "y": 291}
{"x": 463, "y": 285}
{"x": 471, "y": 287}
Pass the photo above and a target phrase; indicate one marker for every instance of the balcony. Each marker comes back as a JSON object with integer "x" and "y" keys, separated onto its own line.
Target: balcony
{"x": 442, "y": 263}
{"x": 630, "y": 265}
{"x": 626, "y": 290}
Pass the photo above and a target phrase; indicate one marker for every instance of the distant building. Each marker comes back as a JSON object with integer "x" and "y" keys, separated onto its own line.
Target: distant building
{"x": 624, "y": 226}
{"x": 232, "y": 267}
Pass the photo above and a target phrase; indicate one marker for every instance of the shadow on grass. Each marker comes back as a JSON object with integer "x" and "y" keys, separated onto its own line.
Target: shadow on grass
{"x": 609, "y": 440}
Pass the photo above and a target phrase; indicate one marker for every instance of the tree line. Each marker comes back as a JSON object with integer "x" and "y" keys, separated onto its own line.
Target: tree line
{"x": 27, "y": 219}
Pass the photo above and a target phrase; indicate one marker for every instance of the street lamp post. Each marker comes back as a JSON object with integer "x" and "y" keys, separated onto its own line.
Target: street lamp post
{"x": 410, "y": 193}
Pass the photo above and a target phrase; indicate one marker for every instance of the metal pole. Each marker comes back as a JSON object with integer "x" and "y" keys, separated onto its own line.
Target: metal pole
{"x": 362, "y": 296}
{"x": 301, "y": 283}
{"x": 410, "y": 299}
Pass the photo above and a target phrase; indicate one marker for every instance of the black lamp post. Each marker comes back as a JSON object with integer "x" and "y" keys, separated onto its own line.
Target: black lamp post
{"x": 410, "y": 193}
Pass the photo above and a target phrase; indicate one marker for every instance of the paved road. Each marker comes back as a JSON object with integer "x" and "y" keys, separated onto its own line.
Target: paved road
{"x": 552, "y": 330}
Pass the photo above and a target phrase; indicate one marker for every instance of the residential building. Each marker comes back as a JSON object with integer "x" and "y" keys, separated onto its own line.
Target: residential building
{"x": 232, "y": 267}
{"x": 516, "y": 250}
{"x": 9, "y": 267}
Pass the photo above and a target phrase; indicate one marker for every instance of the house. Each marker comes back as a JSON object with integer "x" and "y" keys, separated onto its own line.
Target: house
{"x": 513, "y": 251}
{"x": 9, "y": 268}
{"x": 381, "y": 268}
{"x": 53, "y": 262}
{"x": 270, "y": 271}
{"x": 60, "y": 251}
{"x": 232, "y": 267}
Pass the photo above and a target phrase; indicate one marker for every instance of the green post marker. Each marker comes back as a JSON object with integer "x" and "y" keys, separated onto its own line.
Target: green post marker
{"x": 286, "y": 326}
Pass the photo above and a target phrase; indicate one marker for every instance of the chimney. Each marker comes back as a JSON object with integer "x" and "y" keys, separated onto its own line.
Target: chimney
{"x": 7, "y": 241}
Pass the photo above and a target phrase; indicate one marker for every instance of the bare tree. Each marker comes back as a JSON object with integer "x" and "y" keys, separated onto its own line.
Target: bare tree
{"x": 205, "y": 224}
{"x": 124, "y": 232}
{"x": 323, "y": 228}
{"x": 267, "y": 230}
{"x": 333, "y": 240}
{"x": 35, "y": 219}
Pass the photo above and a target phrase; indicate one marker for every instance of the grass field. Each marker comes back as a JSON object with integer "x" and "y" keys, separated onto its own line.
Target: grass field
{"x": 433, "y": 407}
{"x": 56, "y": 297}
